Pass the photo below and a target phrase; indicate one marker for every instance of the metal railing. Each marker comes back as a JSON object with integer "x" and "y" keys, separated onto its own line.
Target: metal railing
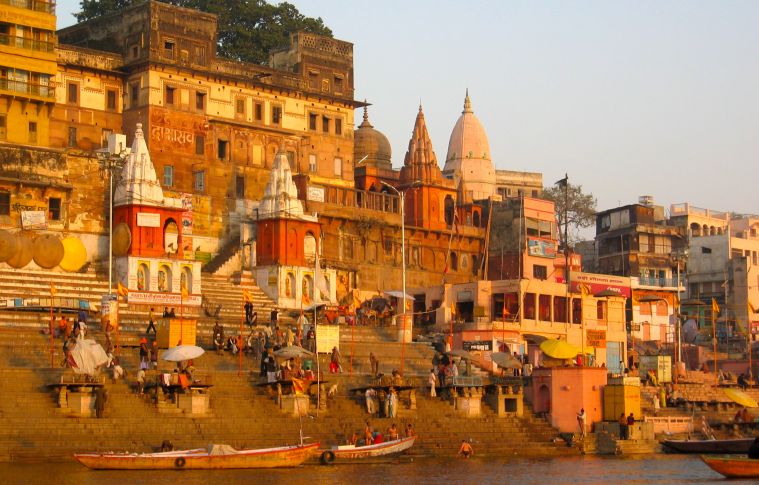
{"x": 24, "y": 43}
{"x": 660, "y": 282}
{"x": 36, "y": 5}
{"x": 25, "y": 87}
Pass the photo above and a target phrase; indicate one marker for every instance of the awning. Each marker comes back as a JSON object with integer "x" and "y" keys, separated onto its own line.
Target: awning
{"x": 398, "y": 294}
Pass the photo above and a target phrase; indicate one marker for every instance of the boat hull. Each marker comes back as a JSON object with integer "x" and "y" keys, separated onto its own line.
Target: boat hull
{"x": 733, "y": 467}
{"x": 199, "y": 459}
{"x": 710, "y": 446}
{"x": 351, "y": 453}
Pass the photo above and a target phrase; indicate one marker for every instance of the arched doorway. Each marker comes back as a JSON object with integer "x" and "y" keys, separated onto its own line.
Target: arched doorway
{"x": 449, "y": 209}
{"x": 543, "y": 404}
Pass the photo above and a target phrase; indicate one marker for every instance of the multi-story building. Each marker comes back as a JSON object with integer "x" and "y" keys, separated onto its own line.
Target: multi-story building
{"x": 634, "y": 241}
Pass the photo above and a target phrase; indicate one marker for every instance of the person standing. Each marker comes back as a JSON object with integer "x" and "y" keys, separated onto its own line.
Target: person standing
{"x": 630, "y": 424}
{"x": 392, "y": 403}
{"x": 311, "y": 340}
{"x": 368, "y": 434}
{"x": 374, "y": 364}
{"x": 335, "y": 366}
{"x": 248, "y": 313}
{"x": 581, "y": 418}
{"x": 101, "y": 397}
{"x": 623, "y": 431}
{"x": 432, "y": 379}
{"x": 151, "y": 323}
{"x": 154, "y": 355}
{"x": 144, "y": 354}
{"x": 370, "y": 395}
{"x": 273, "y": 317}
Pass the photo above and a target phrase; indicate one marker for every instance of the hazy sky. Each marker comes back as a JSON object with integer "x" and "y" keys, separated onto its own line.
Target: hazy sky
{"x": 629, "y": 98}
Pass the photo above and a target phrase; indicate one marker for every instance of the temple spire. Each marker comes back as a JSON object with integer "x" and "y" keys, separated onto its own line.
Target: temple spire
{"x": 366, "y": 123}
{"x": 467, "y": 103}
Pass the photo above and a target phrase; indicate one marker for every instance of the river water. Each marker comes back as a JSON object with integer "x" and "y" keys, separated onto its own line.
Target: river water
{"x": 575, "y": 470}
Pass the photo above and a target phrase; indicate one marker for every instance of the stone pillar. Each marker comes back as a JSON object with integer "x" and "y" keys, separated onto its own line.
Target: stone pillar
{"x": 412, "y": 399}
{"x": 62, "y": 398}
{"x": 323, "y": 400}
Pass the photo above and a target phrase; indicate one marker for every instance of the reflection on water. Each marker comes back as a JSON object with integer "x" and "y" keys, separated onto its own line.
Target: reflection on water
{"x": 579, "y": 470}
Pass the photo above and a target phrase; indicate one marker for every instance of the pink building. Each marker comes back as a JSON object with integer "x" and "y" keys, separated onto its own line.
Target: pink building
{"x": 561, "y": 392}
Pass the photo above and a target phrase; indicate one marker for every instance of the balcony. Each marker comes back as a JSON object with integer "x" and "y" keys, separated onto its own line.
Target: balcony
{"x": 28, "y": 89}
{"x": 29, "y": 44}
{"x": 36, "y": 5}
{"x": 656, "y": 282}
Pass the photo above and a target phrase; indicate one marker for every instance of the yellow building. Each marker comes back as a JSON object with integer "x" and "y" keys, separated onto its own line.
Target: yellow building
{"x": 27, "y": 70}
{"x": 518, "y": 314}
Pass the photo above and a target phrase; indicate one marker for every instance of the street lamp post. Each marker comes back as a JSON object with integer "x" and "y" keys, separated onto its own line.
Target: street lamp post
{"x": 110, "y": 162}
{"x": 403, "y": 266}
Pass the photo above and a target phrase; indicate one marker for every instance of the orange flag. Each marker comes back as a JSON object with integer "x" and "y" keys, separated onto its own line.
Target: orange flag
{"x": 53, "y": 290}
{"x": 299, "y": 385}
{"x": 246, "y": 296}
{"x": 715, "y": 307}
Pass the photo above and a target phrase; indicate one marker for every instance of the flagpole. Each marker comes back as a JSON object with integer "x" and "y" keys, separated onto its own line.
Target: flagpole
{"x": 52, "y": 341}
{"x": 316, "y": 339}
{"x": 118, "y": 323}
{"x": 239, "y": 350}
{"x": 714, "y": 341}
{"x": 181, "y": 316}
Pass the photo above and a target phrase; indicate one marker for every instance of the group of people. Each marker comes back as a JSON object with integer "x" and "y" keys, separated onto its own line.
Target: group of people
{"x": 372, "y": 437}
{"x": 625, "y": 423}
{"x": 388, "y": 399}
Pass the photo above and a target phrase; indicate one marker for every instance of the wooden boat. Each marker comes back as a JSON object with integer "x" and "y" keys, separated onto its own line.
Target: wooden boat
{"x": 739, "y": 445}
{"x": 733, "y": 466}
{"x": 351, "y": 452}
{"x": 214, "y": 457}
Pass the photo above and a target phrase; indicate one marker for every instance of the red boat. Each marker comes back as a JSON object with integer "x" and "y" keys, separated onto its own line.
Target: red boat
{"x": 214, "y": 458}
{"x": 733, "y": 466}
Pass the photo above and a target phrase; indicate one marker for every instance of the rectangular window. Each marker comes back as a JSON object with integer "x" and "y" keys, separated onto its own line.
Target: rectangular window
{"x": 325, "y": 124}
{"x": 5, "y": 204}
{"x": 72, "y": 136}
{"x": 338, "y": 166}
{"x": 168, "y": 49}
{"x": 240, "y": 186}
{"x": 313, "y": 80}
{"x": 576, "y": 310}
{"x": 3, "y": 123}
{"x": 544, "y": 308}
{"x": 134, "y": 94}
{"x": 199, "y": 181}
{"x": 338, "y": 126}
{"x": 312, "y": 121}
{"x": 601, "y": 310}
{"x": 222, "y": 149}
{"x": 240, "y": 106}
{"x": 170, "y": 95}
{"x": 312, "y": 163}
{"x": 104, "y": 137}
{"x": 259, "y": 111}
{"x": 560, "y": 309}
{"x": 338, "y": 84}
{"x": 539, "y": 272}
{"x": 110, "y": 100}
{"x": 32, "y": 132}
{"x": 168, "y": 175}
{"x": 200, "y": 100}
{"x": 276, "y": 115}
{"x": 200, "y": 145}
{"x": 529, "y": 306}
{"x": 135, "y": 51}
{"x": 73, "y": 93}
{"x": 54, "y": 208}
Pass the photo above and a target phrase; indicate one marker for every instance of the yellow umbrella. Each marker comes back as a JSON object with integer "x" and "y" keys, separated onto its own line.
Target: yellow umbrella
{"x": 741, "y": 398}
{"x": 558, "y": 349}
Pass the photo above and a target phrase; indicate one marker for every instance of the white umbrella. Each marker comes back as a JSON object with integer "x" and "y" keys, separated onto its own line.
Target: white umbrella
{"x": 182, "y": 352}
{"x": 292, "y": 351}
{"x": 506, "y": 360}
{"x": 461, "y": 353}
{"x": 87, "y": 356}
{"x": 311, "y": 307}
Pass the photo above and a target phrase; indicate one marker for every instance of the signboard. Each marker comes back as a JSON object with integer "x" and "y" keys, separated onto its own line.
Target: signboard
{"x": 148, "y": 219}
{"x": 33, "y": 220}
{"x": 316, "y": 193}
{"x": 595, "y": 338}
{"x": 464, "y": 296}
{"x": 327, "y": 337}
{"x": 755, "y": 328}
{"x": 478, "y": 345}
{"x": 541, "y": 248}
{"x": 596, "y": 283}
{"x": 167, "y": 299}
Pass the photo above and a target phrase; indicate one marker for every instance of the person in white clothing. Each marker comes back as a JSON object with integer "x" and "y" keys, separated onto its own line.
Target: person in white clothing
{"x": 370, "y": 395}
{"x": 432, "y": 381}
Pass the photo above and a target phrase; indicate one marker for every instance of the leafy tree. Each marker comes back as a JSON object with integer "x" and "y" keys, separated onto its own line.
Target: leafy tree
{"x": 248, "y": 29}
{"x": 581, "y": 207}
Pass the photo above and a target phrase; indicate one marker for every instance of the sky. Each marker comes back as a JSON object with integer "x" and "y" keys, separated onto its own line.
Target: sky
{"x": 628, "y": 98}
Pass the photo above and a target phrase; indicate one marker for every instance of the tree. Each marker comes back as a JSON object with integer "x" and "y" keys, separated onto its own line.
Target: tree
{"x": 248, "y": 29}
{"x": 581, "y": 207}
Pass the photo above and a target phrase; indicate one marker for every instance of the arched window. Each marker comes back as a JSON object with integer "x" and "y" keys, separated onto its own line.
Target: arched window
{"x": 170, "y": 237}
{"x": 449, "y": 208}
{"x": 695, "y": 230}
{"x": 185, "y": 279}
{"x": 309, "y": 246}
{"x": 143, "y": 277}
{"x": 476, "y": 219}
{"x": 164, "y": 279}
{"x": 307, "y": 289}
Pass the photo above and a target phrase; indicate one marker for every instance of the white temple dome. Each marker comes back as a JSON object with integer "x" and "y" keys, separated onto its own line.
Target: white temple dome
{"x": 468, "y": 159}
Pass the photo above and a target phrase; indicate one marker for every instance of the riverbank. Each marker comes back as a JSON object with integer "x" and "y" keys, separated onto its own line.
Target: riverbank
{"x": 669, "y": 469}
